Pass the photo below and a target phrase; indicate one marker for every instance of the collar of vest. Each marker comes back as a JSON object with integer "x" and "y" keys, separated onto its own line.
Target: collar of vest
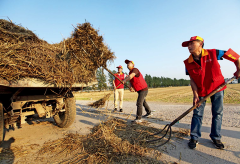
{"x": 118, "y": 73}
{"x": 204, "y": 53}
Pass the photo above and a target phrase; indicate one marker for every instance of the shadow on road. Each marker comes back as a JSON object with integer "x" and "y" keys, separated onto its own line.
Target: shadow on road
{"x": 7, "y": 155}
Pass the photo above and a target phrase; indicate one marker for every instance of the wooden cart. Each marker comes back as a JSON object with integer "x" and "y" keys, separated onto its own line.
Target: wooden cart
{"x": 33, "y": 96}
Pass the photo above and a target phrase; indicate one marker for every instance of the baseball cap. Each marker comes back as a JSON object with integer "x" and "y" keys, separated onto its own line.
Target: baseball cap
{"x": 185, "y": 44}
{"x": 119, "y": 66}
{"x": 127, "y": 61}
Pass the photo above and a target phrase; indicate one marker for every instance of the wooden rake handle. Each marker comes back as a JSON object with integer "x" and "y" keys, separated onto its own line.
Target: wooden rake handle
{"x": 118, "y": 85}
{"x": 200, "y": 102}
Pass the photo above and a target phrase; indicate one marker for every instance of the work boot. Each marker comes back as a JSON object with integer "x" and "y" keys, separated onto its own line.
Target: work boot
{"x": 137, "y": 121}
{"x": 218, "y": 144}
{"x": 120, "y": 110}
{"x": 147, "y": 115}
{"x": 192, "y": 143}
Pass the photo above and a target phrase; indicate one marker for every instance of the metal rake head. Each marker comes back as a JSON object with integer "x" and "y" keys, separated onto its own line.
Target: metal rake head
{"x": 169, "y": 129}
{"x": 168, "y": 126}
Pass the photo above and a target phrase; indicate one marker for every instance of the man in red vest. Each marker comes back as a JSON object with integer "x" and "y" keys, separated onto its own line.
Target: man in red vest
{"x": 118, "y": 88}
{"x": 138, "y": 84}
{"x": 205, "y": 76}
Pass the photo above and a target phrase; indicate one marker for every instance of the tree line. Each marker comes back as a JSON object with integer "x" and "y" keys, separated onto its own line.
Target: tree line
{"x": 106, "y": 82}
{"x": 156, "y": 82}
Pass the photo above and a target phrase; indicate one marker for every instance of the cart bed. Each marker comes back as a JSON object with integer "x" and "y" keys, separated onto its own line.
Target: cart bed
{"x": 38, "y": 83}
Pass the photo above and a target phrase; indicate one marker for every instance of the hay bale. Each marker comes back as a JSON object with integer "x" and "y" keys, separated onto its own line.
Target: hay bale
{"x": 74, "y": 60}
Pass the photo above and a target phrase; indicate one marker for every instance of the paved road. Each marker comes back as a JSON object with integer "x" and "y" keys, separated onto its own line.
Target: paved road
{"x": 175, "y": 151}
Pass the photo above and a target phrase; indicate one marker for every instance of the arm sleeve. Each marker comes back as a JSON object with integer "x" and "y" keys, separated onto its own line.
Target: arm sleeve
{"x": 231, "y": 55}
{"x": 136, "y": 71}
{"x": 186, "y": 71}
{"x": 220, "y": 54}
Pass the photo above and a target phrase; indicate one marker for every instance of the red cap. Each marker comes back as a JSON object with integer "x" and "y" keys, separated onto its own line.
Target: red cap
{"x": 127, "y": 61}
{"x": 185, "y": 44}
{"x": 119, "y": 66}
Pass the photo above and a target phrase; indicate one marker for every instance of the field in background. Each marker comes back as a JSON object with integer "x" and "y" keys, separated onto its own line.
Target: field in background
{"x": 167, "y": 95}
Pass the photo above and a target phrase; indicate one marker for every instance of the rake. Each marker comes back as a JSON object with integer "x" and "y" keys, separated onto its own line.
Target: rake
{"x": 168, "y": 126}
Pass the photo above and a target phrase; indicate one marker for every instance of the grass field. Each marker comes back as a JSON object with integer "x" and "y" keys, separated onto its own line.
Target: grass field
{"x": 167, "y": 95}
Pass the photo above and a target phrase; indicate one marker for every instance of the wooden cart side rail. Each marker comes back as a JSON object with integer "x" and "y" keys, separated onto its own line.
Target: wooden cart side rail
{"x": 38, "y": 83}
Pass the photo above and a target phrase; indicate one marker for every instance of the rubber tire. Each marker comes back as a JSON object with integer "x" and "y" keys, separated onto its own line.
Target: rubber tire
{"x": 66, "y": 118}
{"x": 1, "y": 124}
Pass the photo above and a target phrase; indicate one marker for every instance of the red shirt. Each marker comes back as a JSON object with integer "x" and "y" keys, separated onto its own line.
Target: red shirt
{"x": 208, "y": 76}
{"x": 117, "y": 82}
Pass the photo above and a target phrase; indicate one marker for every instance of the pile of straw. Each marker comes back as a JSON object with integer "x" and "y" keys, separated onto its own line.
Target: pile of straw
{"x": 74, "y": 60}
{"x": 101, "y": 102}
{"x": 113, "y": 141}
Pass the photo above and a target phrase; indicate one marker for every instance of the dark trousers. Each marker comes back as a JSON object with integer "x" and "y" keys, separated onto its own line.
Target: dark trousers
{"x": 142, "y": 102}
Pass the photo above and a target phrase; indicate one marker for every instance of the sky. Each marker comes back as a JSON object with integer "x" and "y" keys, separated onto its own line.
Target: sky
{"x": 148, "y": 32}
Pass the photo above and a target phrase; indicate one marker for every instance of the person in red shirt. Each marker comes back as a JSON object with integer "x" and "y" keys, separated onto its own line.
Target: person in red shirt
{"x": 118, "y": 88}
{"x": 138, "y": 84}
{"x": 205, "y": 76}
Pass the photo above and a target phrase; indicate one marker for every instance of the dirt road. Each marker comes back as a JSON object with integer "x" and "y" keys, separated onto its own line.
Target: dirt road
{"x": 24, "y": 143}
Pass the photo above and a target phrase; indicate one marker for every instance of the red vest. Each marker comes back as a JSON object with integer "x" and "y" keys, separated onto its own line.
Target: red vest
{"x": 138, "y": 83}
{"x": 117, "y": 82}
{"x": 208, "y": 76}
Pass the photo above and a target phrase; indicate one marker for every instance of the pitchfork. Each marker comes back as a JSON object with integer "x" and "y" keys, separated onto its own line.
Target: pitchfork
{"x": 168, "y": 126}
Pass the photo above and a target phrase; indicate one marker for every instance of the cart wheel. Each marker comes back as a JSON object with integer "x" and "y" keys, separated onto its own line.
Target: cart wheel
{"x": 66, "y": 118}
{"x": 1, "y": 123}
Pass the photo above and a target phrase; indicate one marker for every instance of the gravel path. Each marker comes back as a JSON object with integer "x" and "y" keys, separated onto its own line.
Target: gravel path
{"x": 177, "y": 151}
{"x": 231, "y": 114}
{"x": 168, "y": 112}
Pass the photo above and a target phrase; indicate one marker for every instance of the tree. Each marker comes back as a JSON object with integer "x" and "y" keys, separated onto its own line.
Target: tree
{"x": 175, "y": 82}
{"x": 127, "y": 83}
{"x": 111, "y": 77}
{"x": 149, "y": 80}
{"x": 156, "y": 82}
{"x": 101, "y": 78}
{"x": 94, "y": 87}
{"x": 104, "y": 85}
